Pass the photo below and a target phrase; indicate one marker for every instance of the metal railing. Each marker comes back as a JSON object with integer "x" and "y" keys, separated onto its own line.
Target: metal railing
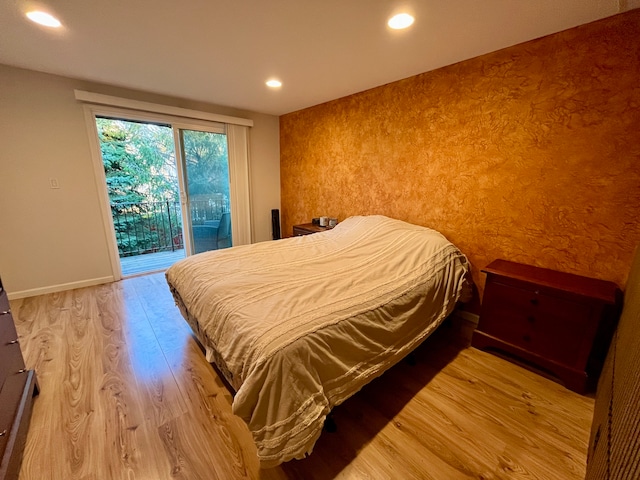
{"x": 149, "y": 227}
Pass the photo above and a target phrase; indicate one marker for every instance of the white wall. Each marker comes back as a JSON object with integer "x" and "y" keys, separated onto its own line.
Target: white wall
{"x": 54, "y": 239}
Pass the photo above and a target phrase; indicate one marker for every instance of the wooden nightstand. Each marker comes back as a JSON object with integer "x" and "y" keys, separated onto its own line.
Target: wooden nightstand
{"x": 558, "y": 322}
{"x": 308, "y": 229}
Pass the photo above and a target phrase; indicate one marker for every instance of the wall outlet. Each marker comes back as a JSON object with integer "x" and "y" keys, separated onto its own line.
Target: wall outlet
{"x": 53, "y": 183}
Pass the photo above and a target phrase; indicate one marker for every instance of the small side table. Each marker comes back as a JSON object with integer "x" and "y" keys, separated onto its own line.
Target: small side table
{"x": 558, "y": 322}
{"x": 308, "y": 229}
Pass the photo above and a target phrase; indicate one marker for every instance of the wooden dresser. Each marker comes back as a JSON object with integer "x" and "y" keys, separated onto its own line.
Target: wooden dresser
{"x": 17, "y": 388}
{"x": 557, "y": 322}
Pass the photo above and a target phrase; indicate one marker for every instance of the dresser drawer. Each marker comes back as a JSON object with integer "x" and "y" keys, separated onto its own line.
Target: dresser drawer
{"x": 10, "y": 355}
{"x": 9, "y": 400}
{"x": 559, "y": 328}
{"x": 543, "y": 323}
{"x": 4, "y": 302}
{"x": 12, "y": 400}
{"x": 11, "y": 360}
{"x": 535, "y": 301}
{"x": 7, "y": 329}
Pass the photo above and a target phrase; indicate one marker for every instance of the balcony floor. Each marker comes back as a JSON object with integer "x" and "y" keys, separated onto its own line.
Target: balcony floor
{"x": 149, "y": 262}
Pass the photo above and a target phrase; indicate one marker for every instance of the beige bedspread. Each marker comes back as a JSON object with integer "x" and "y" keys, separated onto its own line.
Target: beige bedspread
{"x": 301, "y": 324}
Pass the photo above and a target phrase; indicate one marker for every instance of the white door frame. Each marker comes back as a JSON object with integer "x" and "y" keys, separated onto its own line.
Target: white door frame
{"x": 238, "y": 173}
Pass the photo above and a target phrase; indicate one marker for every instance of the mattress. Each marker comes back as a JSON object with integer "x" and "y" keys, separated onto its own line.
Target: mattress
{"x": 299, "y": 325}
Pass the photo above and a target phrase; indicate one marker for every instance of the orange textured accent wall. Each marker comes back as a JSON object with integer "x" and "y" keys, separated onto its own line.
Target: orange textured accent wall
{"x": 530, "y": 154}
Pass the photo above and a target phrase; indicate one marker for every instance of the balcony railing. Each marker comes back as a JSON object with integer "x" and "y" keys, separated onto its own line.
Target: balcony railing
{"x": 148, "y": 227}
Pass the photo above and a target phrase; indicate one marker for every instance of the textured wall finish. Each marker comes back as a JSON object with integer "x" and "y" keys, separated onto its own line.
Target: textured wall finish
{"x": 530, "y": 154}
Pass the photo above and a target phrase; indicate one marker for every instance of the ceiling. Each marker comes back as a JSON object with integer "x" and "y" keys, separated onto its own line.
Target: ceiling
{"x": 222, "y": 52}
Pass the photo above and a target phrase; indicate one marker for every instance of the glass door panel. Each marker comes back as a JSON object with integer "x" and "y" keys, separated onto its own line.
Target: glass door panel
{"x": 142, "y": 185}
{"x": 206, "y": 172}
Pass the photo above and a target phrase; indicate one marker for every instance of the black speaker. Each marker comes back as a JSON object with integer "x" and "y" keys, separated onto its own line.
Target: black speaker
{"x": 275, "y": 223}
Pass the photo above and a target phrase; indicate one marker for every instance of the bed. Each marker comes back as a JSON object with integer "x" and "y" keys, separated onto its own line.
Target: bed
{"x": 298, "y": 325}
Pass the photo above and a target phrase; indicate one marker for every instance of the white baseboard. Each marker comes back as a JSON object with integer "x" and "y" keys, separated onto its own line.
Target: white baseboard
{"x": 59, "y": 288}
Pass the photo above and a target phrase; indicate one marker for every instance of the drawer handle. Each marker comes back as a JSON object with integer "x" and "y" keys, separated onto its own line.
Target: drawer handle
{"x": 22, "y": 370}
{"x": 534, "y": 301}
{"x": 13, "y": 342}
{"x": 3, "y": 433}
{"x": 526, "y": 338}
{"x": 5, "y": 312}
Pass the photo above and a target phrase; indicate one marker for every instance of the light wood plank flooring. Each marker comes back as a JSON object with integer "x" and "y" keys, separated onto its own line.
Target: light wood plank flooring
{"x": 127, "y": 394}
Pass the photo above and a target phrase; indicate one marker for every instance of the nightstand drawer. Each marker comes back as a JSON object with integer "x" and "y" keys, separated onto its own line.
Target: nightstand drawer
{"x": 536, "y": 301}
{"x": 297, "y": 231}
{"x": 542, "y": 323}
{"x": 308, "y": 229}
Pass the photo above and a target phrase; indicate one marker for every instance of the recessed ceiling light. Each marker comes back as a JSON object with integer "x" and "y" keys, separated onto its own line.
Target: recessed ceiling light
{"x": 44, "y": 19}
{"x": 400, "y": 21}
{"x": 273, "y": 83}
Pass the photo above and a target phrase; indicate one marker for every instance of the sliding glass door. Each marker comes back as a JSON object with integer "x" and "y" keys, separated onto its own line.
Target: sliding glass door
{"x": 168, "y": 188}
{"x": 205, "y": 163}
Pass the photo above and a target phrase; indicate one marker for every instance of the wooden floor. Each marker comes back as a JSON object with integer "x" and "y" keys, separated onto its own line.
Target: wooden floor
{"x": 127, "y": 394}
{"x": 149, "y": 262}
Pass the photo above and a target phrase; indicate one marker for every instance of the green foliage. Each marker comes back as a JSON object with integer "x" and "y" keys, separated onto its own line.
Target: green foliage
{"x": 142, "y": 183}
{"x": 139, "y": 160}
{"x": 120, "y": 183}
{"x": 207, "y": 165}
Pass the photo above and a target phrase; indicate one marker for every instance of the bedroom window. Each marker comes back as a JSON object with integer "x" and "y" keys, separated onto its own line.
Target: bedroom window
{"x": 171, "y": 186}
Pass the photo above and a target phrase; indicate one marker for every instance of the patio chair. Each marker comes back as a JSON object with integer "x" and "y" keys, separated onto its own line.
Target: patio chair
{"x": 204, "y": 238}
{"x": 224, "y": 231}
